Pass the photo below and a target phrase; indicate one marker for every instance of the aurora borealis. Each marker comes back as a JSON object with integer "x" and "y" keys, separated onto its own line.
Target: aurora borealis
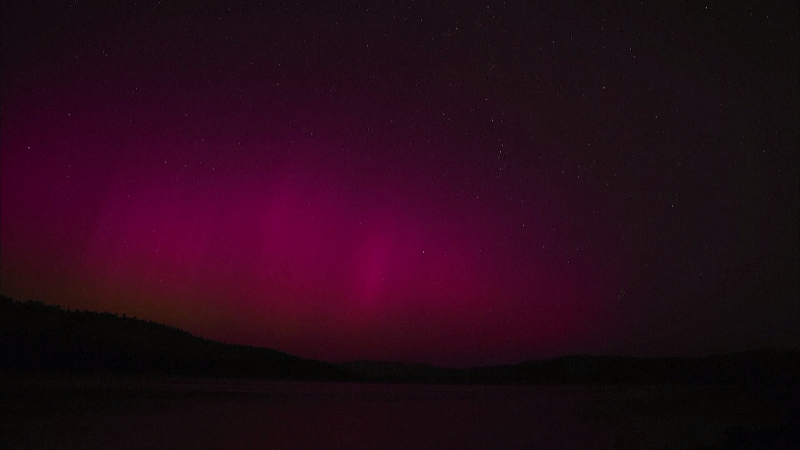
{"x": 452, "y": 184}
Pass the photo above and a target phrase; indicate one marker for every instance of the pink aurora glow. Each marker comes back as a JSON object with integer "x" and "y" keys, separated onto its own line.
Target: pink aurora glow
{"x": 329, "y": 259}
{"x": 444, "y": 183}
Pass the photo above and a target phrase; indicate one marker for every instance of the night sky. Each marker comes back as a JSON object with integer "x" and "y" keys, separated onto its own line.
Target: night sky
{"x": 458, "y": 184}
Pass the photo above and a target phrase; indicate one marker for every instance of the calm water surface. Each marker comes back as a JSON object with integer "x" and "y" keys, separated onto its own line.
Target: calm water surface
{"x": 202, "y": 414}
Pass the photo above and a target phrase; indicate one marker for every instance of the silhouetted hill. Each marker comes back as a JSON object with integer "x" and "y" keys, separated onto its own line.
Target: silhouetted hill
{"x": 748, "y": 368}
{"x": 35, "y": 337}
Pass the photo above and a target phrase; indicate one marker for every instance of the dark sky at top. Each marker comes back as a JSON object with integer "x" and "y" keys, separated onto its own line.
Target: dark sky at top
{"x": 447, "y": 182}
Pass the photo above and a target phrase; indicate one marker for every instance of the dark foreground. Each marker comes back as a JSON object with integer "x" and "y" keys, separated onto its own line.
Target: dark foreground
{"x": 130, "y": 413}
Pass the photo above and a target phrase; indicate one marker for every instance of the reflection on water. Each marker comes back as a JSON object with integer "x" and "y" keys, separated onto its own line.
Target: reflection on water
{"x": 163, "y": 413}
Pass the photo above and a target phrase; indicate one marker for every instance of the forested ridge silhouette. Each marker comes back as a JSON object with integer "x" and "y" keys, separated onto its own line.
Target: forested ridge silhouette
{"x": 39, "y": 338}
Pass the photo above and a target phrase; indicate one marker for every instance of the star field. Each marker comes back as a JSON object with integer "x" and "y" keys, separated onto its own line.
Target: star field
{"x": 453, "y": 183}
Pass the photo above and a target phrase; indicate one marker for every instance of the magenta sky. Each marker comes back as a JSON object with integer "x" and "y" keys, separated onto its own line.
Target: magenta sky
{"x": 454, "y": 186}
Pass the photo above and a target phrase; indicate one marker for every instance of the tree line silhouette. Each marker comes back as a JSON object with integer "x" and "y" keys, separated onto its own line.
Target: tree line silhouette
{"x": 40, "y": 338}
{"x": 36, "y": 337}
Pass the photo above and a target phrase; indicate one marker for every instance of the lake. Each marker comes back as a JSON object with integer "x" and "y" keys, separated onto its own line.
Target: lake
{"x": 138, "y": 413}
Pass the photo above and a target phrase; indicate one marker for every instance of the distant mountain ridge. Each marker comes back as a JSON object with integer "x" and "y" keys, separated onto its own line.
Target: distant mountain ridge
{"x": 40, "y": 338}
{"x": 35, "y": 337}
